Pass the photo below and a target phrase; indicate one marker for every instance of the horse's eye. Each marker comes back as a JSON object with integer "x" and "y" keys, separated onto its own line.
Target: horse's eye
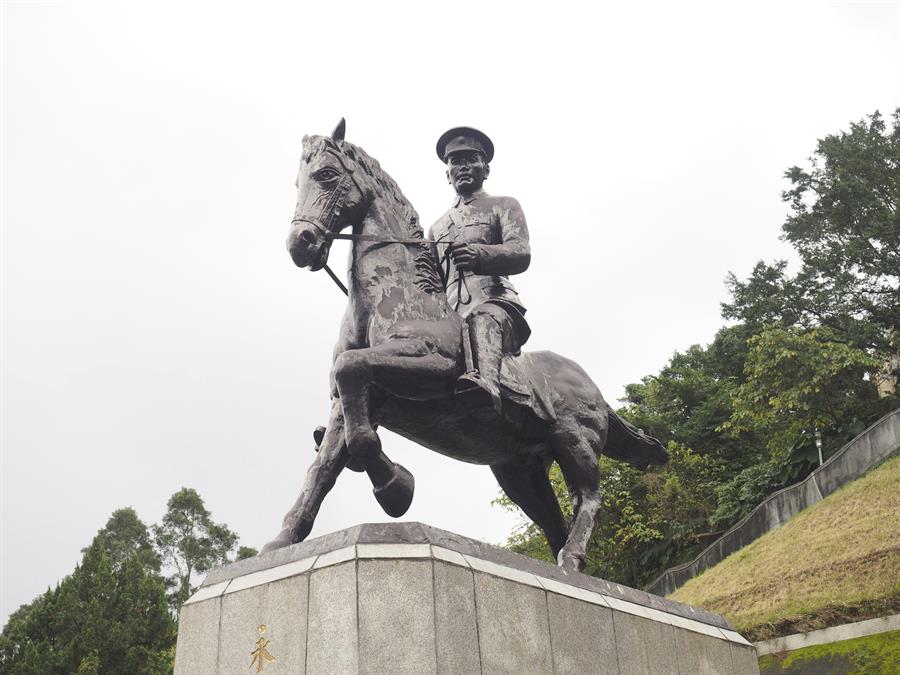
{"x": 325, "y": 175}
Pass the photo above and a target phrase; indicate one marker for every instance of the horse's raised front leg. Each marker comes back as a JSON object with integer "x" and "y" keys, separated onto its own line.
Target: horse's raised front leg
{"x": 578, "y": 462}
{"x": 397, "y": 367}
{"x": 320, "y": 478}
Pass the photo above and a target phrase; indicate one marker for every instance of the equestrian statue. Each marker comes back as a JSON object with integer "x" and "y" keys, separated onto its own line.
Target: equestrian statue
{"x": 430, "y": 346}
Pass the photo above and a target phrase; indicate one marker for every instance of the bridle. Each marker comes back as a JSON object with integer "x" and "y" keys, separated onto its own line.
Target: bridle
{"x": 333, "y": 208}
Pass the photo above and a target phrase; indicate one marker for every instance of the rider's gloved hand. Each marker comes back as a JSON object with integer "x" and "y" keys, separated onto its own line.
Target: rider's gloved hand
{"x": 465, "y": 257}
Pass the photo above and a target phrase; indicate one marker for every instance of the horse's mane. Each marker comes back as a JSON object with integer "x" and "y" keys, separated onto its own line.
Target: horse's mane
{"x": 428, "y": 275}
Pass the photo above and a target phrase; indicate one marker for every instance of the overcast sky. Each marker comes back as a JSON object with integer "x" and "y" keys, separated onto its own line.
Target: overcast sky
{"x": 155, "y": 332}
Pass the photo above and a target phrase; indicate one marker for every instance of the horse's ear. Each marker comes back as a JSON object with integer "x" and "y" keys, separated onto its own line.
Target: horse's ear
{"x": 339, "y": 131}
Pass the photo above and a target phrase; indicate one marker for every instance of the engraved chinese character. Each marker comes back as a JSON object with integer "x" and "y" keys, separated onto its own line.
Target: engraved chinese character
{"x": 261, "y": 654}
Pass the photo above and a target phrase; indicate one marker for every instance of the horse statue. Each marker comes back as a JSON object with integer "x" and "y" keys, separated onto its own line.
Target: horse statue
{"x": 399, "y": 354}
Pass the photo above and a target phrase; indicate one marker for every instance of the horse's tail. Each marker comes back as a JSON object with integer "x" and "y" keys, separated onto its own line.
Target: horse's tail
{"x": 627, "y": 443}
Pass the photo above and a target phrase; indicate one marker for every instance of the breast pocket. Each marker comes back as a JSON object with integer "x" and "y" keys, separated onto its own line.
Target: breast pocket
{"x": 478, "y": 232}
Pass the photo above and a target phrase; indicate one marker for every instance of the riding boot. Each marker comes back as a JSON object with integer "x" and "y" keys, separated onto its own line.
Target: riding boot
{"x": 486, "y": 339}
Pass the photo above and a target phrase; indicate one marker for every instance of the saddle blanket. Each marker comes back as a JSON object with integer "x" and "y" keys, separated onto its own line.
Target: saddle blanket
{"x": 522, "y": 382}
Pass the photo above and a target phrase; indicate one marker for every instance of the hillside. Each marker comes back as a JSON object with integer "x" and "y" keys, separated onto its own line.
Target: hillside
{"x": 836, "y": 562}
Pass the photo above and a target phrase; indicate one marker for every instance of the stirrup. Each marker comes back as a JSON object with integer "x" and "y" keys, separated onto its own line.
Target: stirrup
{"x": 472, "y": 385}
{"x": 468, "y": 381}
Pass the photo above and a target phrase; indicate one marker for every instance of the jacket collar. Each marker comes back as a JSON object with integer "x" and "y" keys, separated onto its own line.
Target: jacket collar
{"x": 468, "y": 199}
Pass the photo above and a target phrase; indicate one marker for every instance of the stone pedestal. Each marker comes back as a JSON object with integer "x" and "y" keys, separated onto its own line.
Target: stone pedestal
{"x": 409, "y": 598}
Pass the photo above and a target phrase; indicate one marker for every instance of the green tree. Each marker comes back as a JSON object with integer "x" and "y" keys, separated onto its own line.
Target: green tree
{"x": 245, "y": 552}
{"x": 190, "y": 542}
{"x": 800, "y": 381}
{"x": 125, "y": 535}
{"x": 690, "y": 399}
{"x": 648, "y": 520}
{"x": 108, "y": 617}
{"x": 821, "y": 334}
{"x": 845, "y": 226}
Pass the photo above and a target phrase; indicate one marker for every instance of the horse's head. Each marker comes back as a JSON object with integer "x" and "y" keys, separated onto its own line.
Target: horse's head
{"x": 329, "y": 199}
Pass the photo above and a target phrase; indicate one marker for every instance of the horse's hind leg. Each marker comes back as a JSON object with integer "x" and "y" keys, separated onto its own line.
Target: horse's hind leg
{"x": 320, "y": 478}
{"x": 578, "y": 462}
{"x": 525, "y": 481}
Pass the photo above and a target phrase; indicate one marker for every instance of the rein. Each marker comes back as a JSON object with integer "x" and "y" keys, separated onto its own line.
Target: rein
{"x": 331, "y": 236}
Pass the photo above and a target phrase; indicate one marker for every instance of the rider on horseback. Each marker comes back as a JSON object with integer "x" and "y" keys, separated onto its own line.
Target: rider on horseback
{"x": 399, "y": 347}
{"x": 487, "y": 240}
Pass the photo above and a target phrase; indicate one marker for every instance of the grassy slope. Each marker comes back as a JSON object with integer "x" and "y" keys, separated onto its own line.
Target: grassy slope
{"x": 835, "y": 562}
{"x": 870, "y": 655}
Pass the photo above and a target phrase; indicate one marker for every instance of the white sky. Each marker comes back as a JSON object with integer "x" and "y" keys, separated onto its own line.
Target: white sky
{"x": 155, "y": 332}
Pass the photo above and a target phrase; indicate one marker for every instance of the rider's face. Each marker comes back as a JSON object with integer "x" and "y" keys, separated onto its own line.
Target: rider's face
{"x": 467, "y": 171}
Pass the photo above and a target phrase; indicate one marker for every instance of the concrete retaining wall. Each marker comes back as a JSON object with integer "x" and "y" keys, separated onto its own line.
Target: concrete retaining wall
{"x": 871, "y": 447}
{"x": 847, "y": 631}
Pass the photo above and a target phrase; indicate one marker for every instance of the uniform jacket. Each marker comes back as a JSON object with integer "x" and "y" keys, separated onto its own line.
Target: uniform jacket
{"x": 495, "y": 227}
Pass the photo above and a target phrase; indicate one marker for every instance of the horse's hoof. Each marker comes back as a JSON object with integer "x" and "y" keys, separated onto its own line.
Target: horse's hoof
{"x": 396, "y": 495}
{"x": 283, "y": 539}
{"x": 569, "y": 562}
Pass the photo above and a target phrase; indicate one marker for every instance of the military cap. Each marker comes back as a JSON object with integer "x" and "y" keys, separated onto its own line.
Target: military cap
{"x": 464, "y": 138}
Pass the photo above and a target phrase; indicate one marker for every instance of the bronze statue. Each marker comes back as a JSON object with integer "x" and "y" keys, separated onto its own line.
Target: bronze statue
{"x": 400, "y": 355}
{"x": 487, "y": 239}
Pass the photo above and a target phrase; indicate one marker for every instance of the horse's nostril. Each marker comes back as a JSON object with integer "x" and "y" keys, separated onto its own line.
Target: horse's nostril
{"x": 302, "y": 241}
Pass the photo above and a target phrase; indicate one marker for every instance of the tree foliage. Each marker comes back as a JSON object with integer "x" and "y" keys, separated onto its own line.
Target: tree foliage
{"x": 109, "y": 616}
{"x": 800, "y": 381}
{"x": 691, "y": 398}
{"x": 845, "y": 226}
{"x": 190, "y": 542}
{"x": 245, "y": 552}
{"x": 125, "y": 535}
{"x": 112, "y": 614}
{"x": 646, "y": 520}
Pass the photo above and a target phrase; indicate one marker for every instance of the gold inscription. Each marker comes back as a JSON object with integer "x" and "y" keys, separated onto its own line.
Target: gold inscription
{"x": 261, "y": 655}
